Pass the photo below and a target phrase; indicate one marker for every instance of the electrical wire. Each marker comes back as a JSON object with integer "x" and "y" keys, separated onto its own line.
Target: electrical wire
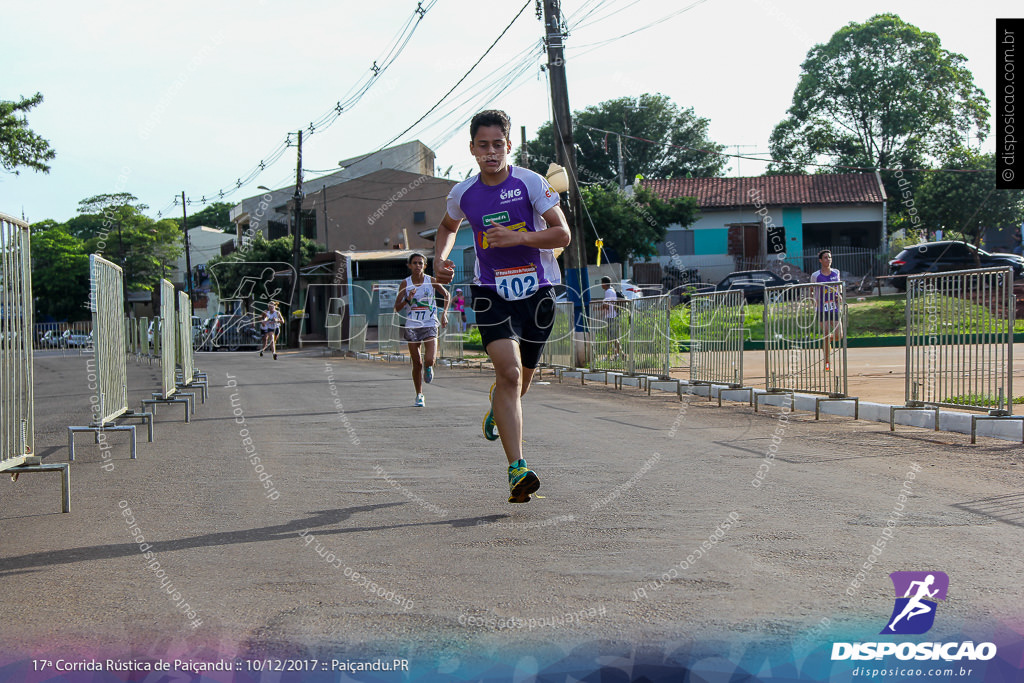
{"x": 355, "y": 94}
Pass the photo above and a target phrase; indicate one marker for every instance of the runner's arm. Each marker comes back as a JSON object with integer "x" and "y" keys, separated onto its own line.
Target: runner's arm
{"x": 444, "y": 270}
{"x": 556, "y": 235}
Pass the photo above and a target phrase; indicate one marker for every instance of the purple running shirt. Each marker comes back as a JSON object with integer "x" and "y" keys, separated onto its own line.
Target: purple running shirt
{"x": 518, "y": 203}
{"x": 829, "y": 295}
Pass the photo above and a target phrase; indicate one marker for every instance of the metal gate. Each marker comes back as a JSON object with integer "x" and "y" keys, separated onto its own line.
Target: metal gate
{"x": 106, "y": 300}
{"x": 805, "y": 348}
{"x": 648, "y": 338}
{"x": 185, "y": 351}
{"x": 716, "y": 338}
{"x": 168, "y": 331}
{"x": 558, "y": 351}
{"x": 17, "y": 422}
{"x": 960, "y": 343}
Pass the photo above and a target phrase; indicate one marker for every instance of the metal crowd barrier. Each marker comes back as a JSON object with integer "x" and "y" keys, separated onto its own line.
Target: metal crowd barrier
{"x": 186, "y": 350}
{"x": 648, "y": 336}
{"x": 357, "y": 333}
{"x": 16, "y": 395}
{"x": 143, "y": 332}
{"x": 110, "y": 401}
{"x": 165, "y": 337}
{"x": 389, "y": 327}
{"x": 805, "y": 348}
{"x": 449, "y": 343}
{"x": 17, "y": 400}
{"x": 334, "y": 335}
{"x": 960, "y": 344}
{"x": 716, "y": 340}
{"x": 609, "y": 326}
{"x": 558, "y": 351}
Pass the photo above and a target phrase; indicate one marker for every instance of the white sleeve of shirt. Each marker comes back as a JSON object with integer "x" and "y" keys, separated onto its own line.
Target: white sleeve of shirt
{"x": 542, "y": 195}
{"x": 610, "y": 295}
{"x": 455, "y": 199}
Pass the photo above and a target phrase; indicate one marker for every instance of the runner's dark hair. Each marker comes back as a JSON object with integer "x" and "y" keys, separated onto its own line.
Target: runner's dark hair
{"x": 490, "y": 117}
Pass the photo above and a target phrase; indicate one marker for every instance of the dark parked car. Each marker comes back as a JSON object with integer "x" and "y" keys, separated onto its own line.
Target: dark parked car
{"x": 751, "y": 282}
{"x": 938, "y": 257}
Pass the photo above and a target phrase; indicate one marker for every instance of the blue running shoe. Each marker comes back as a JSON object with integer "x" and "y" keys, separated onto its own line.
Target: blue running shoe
{"x": 419, "y": 401}
{"x": 428, "y": 374}
{"x": 522, "y": 481}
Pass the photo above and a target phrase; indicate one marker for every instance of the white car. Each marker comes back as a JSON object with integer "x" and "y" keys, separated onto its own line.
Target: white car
{"x": 629, "y": 290}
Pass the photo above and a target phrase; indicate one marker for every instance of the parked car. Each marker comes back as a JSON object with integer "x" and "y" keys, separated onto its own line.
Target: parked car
{"x": 751, "y": 282}
{"x": 939, "y": 257}
{"x": 52, "y": 338}
{"x": 232, "y": 332}
{"x": 76, "y": 339}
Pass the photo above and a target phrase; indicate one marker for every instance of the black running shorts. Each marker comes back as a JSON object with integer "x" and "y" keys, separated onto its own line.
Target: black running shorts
{"x": 527, "y": 321}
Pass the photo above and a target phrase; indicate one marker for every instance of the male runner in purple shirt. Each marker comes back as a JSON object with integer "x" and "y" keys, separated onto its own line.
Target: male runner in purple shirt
{"x": 829, "y": 299}
{"x": 516, "y": 224}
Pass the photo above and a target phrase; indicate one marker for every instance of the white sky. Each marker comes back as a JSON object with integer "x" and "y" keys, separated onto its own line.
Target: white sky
{"x": 156, "y": 98}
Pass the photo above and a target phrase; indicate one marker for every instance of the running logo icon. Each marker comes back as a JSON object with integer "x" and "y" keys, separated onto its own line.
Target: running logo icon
{"x": 916, "y": 596}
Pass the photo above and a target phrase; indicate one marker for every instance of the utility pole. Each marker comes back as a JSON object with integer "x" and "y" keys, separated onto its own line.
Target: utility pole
{"x": 576, "y": 277}
{"x": 188, "y": 251}
{"x": 297, "y": 245}
{"x": 622, "y": 165}
{"x": 524, "y": 157}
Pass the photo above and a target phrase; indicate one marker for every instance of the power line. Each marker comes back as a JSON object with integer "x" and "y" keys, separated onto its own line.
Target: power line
{"x": 392, "y": 52}
{"x": 752, "y": 158}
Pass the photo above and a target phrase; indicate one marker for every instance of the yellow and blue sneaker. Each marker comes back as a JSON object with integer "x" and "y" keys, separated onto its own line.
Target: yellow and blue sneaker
{"x": 522, "y": 481}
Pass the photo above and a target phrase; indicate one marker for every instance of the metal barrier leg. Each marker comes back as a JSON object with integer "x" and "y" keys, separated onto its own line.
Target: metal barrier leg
{"x": 63, "y": 468}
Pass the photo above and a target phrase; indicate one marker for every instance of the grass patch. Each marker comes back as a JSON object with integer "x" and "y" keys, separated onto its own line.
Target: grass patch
{"x": 978, "y": 400}
{"x": 874, "y": 317}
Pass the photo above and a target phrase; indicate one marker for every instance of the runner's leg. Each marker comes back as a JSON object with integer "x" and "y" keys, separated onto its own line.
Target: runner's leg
{"x": 508, "y": 410}
{"x": 417, "y": 366}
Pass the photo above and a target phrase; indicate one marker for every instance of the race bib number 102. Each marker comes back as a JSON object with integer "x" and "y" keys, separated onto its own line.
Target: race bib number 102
{"x": 516, "y": 283}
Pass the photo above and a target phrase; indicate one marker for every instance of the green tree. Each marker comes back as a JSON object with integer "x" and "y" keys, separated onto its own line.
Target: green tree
{"x": 213, "y": 216}
{"x": 228, "y": 274}
{"x": 879, "y": 94}
{"x": 632, "y": 224}
{"x": 114, "y": 226}
{"x": 60, "y": 273}
{"x": 961, "y": 204}
{"x": 680, "y": 146}
{"x": 19, "y": 145}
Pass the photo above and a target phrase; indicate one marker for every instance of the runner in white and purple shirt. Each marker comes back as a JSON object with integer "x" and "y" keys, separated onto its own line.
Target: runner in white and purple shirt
{"x": 516, "y": 224}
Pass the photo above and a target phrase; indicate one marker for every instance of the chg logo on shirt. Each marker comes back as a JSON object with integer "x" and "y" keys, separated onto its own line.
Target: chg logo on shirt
{"x": 916, "y": 596}
{"x": 511, "y": 194}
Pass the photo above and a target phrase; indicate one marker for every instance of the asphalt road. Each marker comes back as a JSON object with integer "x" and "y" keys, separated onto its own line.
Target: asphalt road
{"x": 383, "y": 529}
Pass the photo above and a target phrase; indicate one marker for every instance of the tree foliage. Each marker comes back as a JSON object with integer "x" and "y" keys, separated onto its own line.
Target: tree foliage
{"x": 879, "y": 94}
{"x": 213, "y": 216}
{"x": 964, "y": 204}
{"x": 679, "y": 139}
{"x": 60, "y": 273}
{"x": 248, "y": 274}
{"x": 632, "y": 224}
{"x": 19, "y": 145}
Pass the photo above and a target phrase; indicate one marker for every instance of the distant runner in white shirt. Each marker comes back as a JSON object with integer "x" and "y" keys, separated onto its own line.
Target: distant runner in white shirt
{"x": 417, "y": 294}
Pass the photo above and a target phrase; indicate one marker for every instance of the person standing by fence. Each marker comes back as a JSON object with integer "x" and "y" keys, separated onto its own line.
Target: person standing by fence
{"x": 829, "y": 300}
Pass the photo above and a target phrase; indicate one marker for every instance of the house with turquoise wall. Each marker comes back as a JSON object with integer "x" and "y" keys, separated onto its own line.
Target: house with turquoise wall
{"x": 747, "y": 223}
